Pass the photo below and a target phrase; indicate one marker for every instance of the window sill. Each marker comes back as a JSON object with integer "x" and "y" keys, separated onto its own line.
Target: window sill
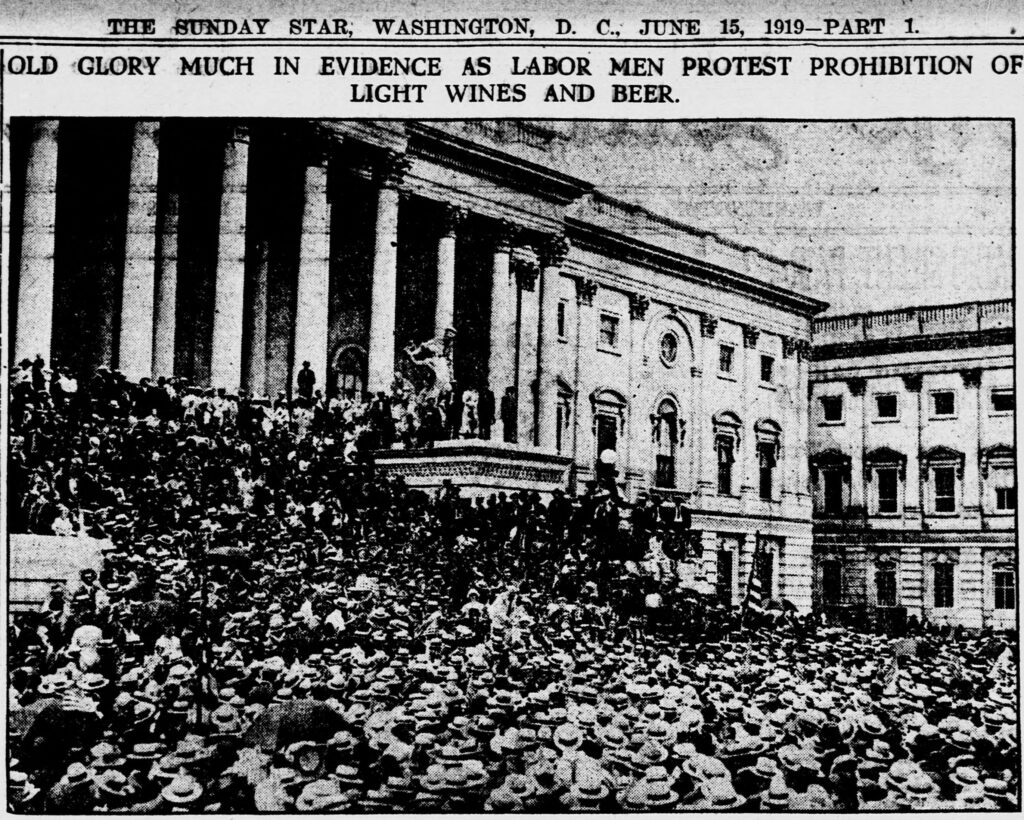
{"x": 839, "y": 423}
{"x": 563, "y": 339}
{"x": 1000, "y": 414}
{"x": 768, "y": 386}
{"x": 934, "y": 417}
{"x": 611, "y": 351}
{"x": 886, "y": 421}
{"x": 954, "y": 514}
{"x": 887, "y": 515}
{"x": 729, "y": 377}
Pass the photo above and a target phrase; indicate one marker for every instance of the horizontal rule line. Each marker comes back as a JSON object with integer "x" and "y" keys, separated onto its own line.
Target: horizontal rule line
{"x": 616, "y": 42}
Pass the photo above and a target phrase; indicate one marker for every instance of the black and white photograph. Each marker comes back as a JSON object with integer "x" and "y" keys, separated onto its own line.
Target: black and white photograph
{"x": 510, "y": 465}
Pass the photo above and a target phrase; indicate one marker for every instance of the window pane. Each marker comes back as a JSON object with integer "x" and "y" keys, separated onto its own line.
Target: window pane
{"x": 609, "y": 331}
{"x": 665, "y": 471}
{"x": 833, "y": 491}
{"x": 945, "y": 489}
{"x": 943, "y": 575}
{"x": 1006, "y": 589}
{"x": 832, "y": 408}
{"x": 725, "y": 358}
{"x": 1003, "y": 401}
{"x": 561, "y": 320}
{"x": 942, "y": 403}
{"x": 767, "y": 368}
{"x": 725, "y": 459}
{"x": 886, "y": 406}
{"x": 887, "y": 488}
{"x": 886, "y": 582}
{"x": 1006, "y": 498}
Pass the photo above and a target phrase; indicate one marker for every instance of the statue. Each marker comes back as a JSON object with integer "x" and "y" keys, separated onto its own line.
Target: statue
{"x": 436, "y": 356}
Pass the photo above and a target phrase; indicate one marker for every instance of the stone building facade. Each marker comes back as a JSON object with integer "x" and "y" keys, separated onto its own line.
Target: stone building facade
{"x": 229, "y": 253}
{"x": 913, "y": 463}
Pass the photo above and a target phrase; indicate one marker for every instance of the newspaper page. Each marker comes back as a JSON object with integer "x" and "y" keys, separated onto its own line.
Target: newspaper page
{"x": 447, "y": 408}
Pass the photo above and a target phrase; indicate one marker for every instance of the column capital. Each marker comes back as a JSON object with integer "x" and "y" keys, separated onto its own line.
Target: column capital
{"x": 238, "y": 132}
{"x": 505, "y": 235}
{"x": 452, "y": 218}
{"x": 638, "y": 304}
{"x": 803, "y": 349}
{"x": 526, "y": 273}
{"x": 553, "y": 250}
{"x": 971, "y": 377}
{"x": 912, "y": 382}
{"x": 856, "y": 385}
{"x": 391, "y": 171}
{"x": 708, "y": 325}
{"x": 750, "y": 336}
{"x": 789, "y": 347}
{"x": 586, "y": 290}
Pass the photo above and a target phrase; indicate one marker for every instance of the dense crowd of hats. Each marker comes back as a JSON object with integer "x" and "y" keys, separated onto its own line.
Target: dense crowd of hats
{"x": 275, "y": 629}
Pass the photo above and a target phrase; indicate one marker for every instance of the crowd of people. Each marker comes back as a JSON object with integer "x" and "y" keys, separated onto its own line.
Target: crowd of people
{"x": 276, "y": 627}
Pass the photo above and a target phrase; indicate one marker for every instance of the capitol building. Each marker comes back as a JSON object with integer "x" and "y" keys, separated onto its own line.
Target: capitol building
{"x": 231, "y": 252}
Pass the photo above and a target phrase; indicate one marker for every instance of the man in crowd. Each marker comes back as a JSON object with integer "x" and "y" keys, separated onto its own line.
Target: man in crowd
{"x": 277, "y": 628}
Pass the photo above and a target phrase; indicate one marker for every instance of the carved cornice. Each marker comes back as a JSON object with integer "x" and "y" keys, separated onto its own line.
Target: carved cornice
{"x": 750, "y": 336}
{"x": 638, "y": 305}
{"x": 971, "y": 377}
{"x": 392, "y": 170}
{"x": 789, "y": 347}
{"x": 526, "y": 273}
{"x": 553, "y": 251}
{"x": 912, "y": 382}
{"x": 454, "y": 216}
{"x": 586, "y": 290}
{"x": 708, "y": 325}
{"x": 505, "y": 236}
{"x": 856, "y": 385}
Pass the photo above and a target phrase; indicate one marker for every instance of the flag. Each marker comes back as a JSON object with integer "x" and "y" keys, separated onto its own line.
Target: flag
{"x": 755, "y": 595}
{"x": 1003, "y": 664}
{"x": 431, "y": 627}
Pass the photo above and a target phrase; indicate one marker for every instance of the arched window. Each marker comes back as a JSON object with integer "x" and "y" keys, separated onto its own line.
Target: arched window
{"x": 768, "y": 434}
{"x": 351, "y": 373}
{"x": 727, "y": 441}
{"x": 666, "y": 433}
{"x": 609, "y": 422}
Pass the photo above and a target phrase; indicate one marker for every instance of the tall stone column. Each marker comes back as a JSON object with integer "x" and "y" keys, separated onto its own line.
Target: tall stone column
{"x": 165, "y": 308}
{"x": 256, "y": 375}
{"x": 703, "y": 435}
{"x": 313, "y": 289}
{"x": 913, "y": 488}
{"x": 803, "y": 467}
{"x": 552, "y": 256}
{"x": 858, "y": 431}
{"x": 526, "y": 273}
{"x": 501, "y": 360}
{"x": 226, "y": 355}
{"x": 970, "y": 416}
{"x": 444, "y": 309}
{"x": 751, "y": 374}
{"x": 35, "y": 271}
{"x": 586, "y": 345}
{"x": 138, "y": 285}
{"x": 381, "y": 369}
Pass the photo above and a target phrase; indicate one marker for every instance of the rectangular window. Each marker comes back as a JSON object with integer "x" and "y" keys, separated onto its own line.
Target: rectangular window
{"x": 1006, "y": 498}
{"x": 943, "y": 403}
{"x": 725, "y": 460}
{"x": 886, "y": 407}
{"x": 767, "y": 573}
{"x": 831, "y": 582}
{"x": 561, "y": 320}
{"x": 766, "y": 462}
{"x": 885, "y": 581}
{"x": 1005, "y": 582}
{"x": 1003, "y": 400}
{"x": 833, "y": 483}
{"x": 832, "y": 408}
{"x": 609, "y": 332}
{"x": 945, "y": 489}
{"x": 888, "y": 487}
{"x": 665, "y": 472}
{"x": 767, "y": 369}
{"x": 725, "y": 359}
{"x": 943, "y": 583}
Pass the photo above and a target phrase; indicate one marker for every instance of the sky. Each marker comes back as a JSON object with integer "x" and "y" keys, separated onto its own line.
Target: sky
{"x": 888, "y": 214}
